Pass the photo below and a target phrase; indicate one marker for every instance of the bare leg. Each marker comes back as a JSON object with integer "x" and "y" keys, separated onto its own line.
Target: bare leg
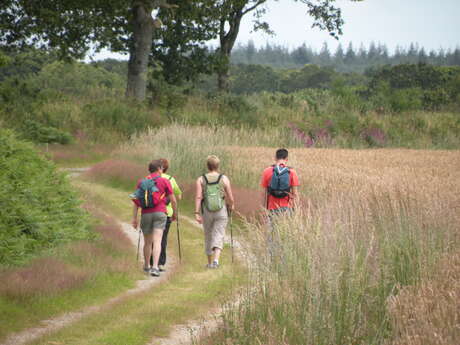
{"x": 147, "y": 249}
{"x": 217, "y": 252}
{"x": 157, "y": 236}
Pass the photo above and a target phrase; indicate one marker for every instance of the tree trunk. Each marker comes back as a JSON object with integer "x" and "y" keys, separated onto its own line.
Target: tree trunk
{"x": 227, "y": 41}
{"x": 141, "y": 45}
{"x": 223, "y": 72}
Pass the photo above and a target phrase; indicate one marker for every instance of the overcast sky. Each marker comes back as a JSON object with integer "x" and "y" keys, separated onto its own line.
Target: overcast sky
{"x": 430, "y": 23}
{"x": 433, "y": 24}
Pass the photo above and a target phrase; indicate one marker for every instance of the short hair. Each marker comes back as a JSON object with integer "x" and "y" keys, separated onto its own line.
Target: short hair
{"x": 164, "y": 164}
{"x": 281, "y": 154}
{"x": 155, "y": 165}
{"x": 212, "y": 162}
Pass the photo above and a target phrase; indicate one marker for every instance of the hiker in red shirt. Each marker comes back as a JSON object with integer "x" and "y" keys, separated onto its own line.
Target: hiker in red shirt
{"x": 280, "y": 184}
{"x": 153, "y": 219}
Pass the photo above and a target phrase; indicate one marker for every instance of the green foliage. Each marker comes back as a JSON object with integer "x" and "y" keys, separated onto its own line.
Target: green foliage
{"x": 342, "y": 60}
{"x": 77, "y": 79}
{"x": 111, "y": 117}
{"x": 63, "y": 100}
{"x": 39, "y": 133}
{"x": 24, "y": 62}
{"x": 39, "y": 208}
{"x": 181, "y": 50}
{"x": 253, "y": 78}
{"x": 236, "y": 111}
{"x": 4, "y": 60}
{"x": 415, "y": 86}
{"x": 309, "y": 77}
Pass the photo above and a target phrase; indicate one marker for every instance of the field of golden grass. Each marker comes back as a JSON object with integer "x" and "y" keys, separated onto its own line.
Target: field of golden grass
{"x": 374, "y": 229}
{"x": 399, "y": 207}
{"x": 327, "y": 171}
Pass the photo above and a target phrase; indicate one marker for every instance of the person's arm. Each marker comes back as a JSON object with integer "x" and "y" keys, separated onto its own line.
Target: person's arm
{"x": 176, "y": 189}
{"x": 230, "y": 201}
{"x": 198, "y": 200}
{"x": 264, "y": 193}
{"x": 134, "y": 222}
{"x": 264, "y": 197}
{"x": 173, "y": 200}
{"x": 294, "y": 194}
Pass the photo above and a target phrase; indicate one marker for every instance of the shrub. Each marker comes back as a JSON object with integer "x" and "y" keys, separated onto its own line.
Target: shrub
{"x": 111, "y": 115}
{"x": 40, "y": 133}
{"x": 77, "y": 79}
{"x": 39, "y": 208}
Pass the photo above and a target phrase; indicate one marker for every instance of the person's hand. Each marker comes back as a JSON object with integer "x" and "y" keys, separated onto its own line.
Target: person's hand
{"x": 134, "y": 223}
{"x": 198, "y": 218}
{"x": 173, "y": 217}
{"x": 231, "y": 208}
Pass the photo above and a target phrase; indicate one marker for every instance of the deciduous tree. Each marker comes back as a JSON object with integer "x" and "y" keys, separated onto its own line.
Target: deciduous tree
{"x": 74, "y": 27}
{"x": 326, "y": 17}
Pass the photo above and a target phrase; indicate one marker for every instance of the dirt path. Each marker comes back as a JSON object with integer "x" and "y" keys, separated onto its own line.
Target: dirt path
{"x": 181, "y": 334}
{"x": 55, "y": 324}
{"x": 184, "y": 334}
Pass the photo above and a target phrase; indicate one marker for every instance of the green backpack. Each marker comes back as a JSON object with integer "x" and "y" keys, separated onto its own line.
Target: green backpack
{"x": 213, "y": 194}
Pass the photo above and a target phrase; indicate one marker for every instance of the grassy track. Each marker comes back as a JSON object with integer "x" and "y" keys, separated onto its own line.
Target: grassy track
{"x": 25, "y": 311}
{"x": 189, "y": 293}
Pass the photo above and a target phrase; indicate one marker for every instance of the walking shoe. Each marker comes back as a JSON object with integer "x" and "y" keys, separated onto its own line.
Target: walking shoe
{"x": 161, "y": 268}
{"x": 146, "y": 269}
{"x": 155, "y": 272}
{"x": 209, "y": 266}
{"x": 215, "y": 264}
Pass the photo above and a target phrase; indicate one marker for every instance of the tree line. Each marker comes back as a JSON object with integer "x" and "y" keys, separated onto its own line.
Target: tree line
{"x": 170, "y": 35}
{"x": 349, "y": 59}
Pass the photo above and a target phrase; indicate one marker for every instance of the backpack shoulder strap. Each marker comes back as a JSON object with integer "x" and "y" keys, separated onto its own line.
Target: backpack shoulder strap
{"x": 205, "y": 179}
{"x": 213, "y": 183}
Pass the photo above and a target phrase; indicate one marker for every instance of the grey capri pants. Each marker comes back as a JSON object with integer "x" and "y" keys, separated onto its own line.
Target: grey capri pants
{"x": 214, "y": 224}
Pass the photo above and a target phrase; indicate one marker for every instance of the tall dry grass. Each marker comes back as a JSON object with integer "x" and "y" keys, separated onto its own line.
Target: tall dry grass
{"x": 45, "y": 276}
{"x": 429, "y": 314}
{"x": 187, "y": 147}
{"x": 371, "y": 223}
{"x": 117, "y": 172}
{"x": 326, "y": 274}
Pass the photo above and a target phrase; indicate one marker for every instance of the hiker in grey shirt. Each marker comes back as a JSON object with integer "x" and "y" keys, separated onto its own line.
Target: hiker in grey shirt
{"x": 213, "y": 202}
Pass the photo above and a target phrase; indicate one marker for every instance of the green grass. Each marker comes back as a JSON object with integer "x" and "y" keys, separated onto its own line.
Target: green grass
{"x": 188, "y": 294}
{"x": 21, "y": 313}
{"x": 18, "y": 315}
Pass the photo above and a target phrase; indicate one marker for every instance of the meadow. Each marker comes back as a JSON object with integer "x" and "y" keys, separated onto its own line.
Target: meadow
{"x": 374, "y": 231}
{"x": 370, "y": 257}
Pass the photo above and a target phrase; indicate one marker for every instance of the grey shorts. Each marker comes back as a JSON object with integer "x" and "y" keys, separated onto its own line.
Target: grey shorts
{"x": 154, "y": 220}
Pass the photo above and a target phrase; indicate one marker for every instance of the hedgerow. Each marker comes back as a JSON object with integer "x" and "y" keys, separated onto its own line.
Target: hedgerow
{"x": 39, "y": 209}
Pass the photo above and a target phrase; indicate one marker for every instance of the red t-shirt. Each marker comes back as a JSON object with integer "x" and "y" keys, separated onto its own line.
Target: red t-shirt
{"x": 164, "y": 187}
{"x": 272, "y": 202}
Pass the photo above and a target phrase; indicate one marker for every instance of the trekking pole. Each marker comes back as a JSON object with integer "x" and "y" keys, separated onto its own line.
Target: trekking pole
{"x": 231, "y": 233}
{"x": 178, "y": 235}
{"x": 138, "y": 245}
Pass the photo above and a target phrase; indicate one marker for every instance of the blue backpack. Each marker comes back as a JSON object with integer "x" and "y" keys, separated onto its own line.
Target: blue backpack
{"x": 148, "y": 193}
{"x": 280, "y": 183}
